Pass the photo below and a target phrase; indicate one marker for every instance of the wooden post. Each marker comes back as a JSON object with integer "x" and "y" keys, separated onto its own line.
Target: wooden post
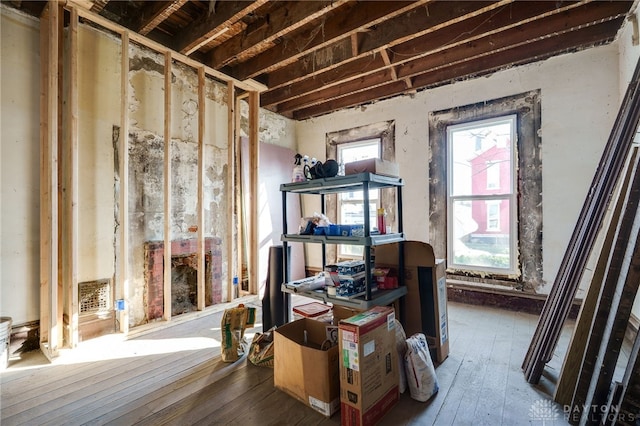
{"x": 167, "y": 188}
{"x": 200, "y": 213}
{"x": 49, "y": 325}
{"x": 70, "y": 242}
{"x": 232, "y": 267}
{"x": 124, "y": 183}
{"x": 240, "y": 204}
{"x": 254, "y": 152}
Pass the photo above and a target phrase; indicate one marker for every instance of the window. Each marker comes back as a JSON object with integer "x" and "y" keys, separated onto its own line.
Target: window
{"x": 350, "y": 204}
{"x": 352, "y": 143}
{"x": 480, "y": 195}
{"x": 488, "y": 221}
{"x": 493, "y": 174}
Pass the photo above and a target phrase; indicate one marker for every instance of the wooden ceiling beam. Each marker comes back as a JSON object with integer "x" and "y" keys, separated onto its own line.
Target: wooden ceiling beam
{"x": 426, "y": 44}
{"x": 153, "y": 13}
{"x": 203, "y": 30}
{"x": 98, "y": 5}
{"x": 287, "y": 18}
{"x": 416, "y": 22}
{"x": 406, "y": 55}
{"x": 387, "y": 62}
{"x": 360, "y": 17}
{"x": 540, "y": 49}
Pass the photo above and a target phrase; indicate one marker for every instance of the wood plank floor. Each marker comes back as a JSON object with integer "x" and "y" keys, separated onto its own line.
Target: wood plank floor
{"x": 174, "y": 376}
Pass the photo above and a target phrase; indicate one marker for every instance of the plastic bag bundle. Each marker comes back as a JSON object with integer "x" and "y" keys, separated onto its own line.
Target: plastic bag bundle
{"x": 234, "y": 322}
{"x": 421, "y": 374}
{"x": 401, "y": 348}
{"x": 261, "y": 349}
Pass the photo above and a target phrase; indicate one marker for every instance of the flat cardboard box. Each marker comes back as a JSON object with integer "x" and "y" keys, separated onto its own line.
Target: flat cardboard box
{"x": 305, "y": 371}
{"x": 372, "y": 165}
{"x": 425, "y": 307}
{"x": 369, "y": 381}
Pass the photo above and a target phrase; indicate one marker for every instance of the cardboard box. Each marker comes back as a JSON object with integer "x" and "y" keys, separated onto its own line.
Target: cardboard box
{"x": 343, "y": 312}
{"x": 305, "y": 371}
{"x": 425, "y": 305}
{"x": 372, "y": 165}
{"x": 369, "y": 381}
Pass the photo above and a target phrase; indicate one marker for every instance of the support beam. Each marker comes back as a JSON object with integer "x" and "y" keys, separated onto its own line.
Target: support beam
{"x": 49, "y": 48}
{"x": 155, "y": 12}
{"x": 241, "y": 206}
{"x": 167, "y": 189}
{"x": 254, "y": 152}
{"x": 232, "y": 267}
{"x": 201, "y": 168}
{"x": 123, "y": 285}
{"x": 70, "y": 193}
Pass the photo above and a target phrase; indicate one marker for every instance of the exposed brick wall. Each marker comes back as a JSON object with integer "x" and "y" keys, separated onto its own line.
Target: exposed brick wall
{"x": 154, "y": 271}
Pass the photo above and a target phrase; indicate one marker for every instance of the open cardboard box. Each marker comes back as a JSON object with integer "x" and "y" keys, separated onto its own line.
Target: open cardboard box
{"x": 303, "y": 369}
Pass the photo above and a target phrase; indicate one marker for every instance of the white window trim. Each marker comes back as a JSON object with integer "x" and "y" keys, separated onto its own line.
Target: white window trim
{"x": 512, "y": 197}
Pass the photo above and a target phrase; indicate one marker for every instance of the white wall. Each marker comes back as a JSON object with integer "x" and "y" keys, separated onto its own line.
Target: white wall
{"x": 19, "y": 167}
{"x": 580, "y": 99}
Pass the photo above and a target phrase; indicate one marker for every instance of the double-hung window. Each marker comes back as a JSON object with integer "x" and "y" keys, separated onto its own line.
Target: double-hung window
{"x": 482, "y": 195}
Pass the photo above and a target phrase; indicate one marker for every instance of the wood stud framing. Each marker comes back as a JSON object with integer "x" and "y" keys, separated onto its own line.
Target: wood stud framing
{"x": 254, "y": 152}
{"x": 49, "y": 48}
{"x": 231, "y": 185}
{"x": 167, "y": 187}
{"x": 71, "y": 185}
{"x": 59, "y": 210}
{"x": 123, "y": 285}
{"x": 201, "y": 167}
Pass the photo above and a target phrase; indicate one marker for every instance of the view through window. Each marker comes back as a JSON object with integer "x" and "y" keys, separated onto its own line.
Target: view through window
{"x": 350, "y": 204}
{"x": 481, "y": 195}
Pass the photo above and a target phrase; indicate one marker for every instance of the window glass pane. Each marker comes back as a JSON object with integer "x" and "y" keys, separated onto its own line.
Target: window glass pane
{"x": 480, "y": 156}
{"x": 350, "y": 204}
{"x": 480, "y": 233}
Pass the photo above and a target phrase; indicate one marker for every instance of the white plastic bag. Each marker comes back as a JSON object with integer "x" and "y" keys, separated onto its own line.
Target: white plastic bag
{"x": 421, "y": 374}
{"x": 401, "y": 348}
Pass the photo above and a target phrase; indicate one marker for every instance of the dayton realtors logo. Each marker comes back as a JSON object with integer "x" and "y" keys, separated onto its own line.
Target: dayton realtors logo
{"x": 548, "y": 412}
{"x": 544, "y": 410}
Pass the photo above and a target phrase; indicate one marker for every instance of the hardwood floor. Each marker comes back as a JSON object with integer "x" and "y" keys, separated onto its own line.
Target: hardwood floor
{"x": 174, "y": 376}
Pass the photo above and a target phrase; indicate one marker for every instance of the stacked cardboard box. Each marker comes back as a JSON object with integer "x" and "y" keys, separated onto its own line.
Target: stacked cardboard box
{"x": 368, "y": 367}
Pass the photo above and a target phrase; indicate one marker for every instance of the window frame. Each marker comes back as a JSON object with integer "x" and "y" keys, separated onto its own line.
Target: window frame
{"x": 527, "y": 106}
{"x": 510, "y": 195}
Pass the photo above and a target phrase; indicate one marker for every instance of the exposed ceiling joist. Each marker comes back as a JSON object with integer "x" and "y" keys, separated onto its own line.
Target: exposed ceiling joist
{"x": 315, "y": 57}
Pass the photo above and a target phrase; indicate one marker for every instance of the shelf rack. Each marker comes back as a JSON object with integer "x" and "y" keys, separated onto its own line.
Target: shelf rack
{"x": 358, "y": 182}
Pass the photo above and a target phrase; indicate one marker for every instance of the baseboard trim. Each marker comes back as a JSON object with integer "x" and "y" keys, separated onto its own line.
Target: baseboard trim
{"x": 503, "y": 299}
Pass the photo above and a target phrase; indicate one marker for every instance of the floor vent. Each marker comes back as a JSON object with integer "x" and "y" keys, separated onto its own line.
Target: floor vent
{"x": 95, "y": 296}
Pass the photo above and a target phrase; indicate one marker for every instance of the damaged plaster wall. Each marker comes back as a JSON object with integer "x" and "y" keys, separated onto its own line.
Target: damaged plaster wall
{"x": 99, "y": 132}
{"x": 146, "y": 193}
